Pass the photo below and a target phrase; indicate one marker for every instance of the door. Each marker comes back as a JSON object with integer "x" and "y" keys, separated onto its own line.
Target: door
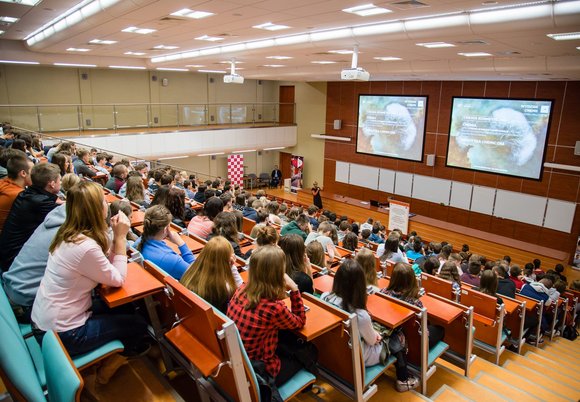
{"x": 286, "y": 105}
{"x": 285, "y": 161}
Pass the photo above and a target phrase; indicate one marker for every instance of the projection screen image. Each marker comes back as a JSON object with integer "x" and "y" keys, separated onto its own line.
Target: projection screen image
{"x": 392, "y": 126}
{"x": 503, "y": 136}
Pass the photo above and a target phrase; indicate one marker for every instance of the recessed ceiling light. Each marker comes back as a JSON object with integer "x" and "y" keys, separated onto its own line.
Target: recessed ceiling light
{"x": 135, "y": 53}
{"x": 165, "y": 47}
{"x": 212, "y": 71}
{"x": 76, "y": 49}
{"x": 22, "y": 2}
{"x": 387, "y": 58}
{"x": 209, "y": 38}
{"x": 142, "y": 31}
{"x": 171, "y": 69}
{"x": 9, "y": 20}
{"x": 343, "y": 51}
{"x": 18, "y": 62}
{"x": 323, "y": 62}
{"x": 271, "y": 27}
{"x": 230, "y": 62}
{"x": 565, "y": 36}
{"x": 102, "y": 42}
{"x": 279, "y": 57}
{"x": 1, "y": 32}
{"x": 195, "y": 65}
{"x": 274, "y": 65}
{"x": 128, "y": 67}
{"x": 74, "y": 65}
{"x": 186, "y": 12}
{"x": 475, "y": 54}
{"x": 366, "y": 10}
{"x": 434, "y": 45}
{"x": 578, "y": 48}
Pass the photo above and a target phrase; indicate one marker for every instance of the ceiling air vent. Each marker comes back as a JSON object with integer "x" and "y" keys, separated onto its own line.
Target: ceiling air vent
{"x": 472, "y": 42}
{"x": 171, "y": 18}
{"x": 409, "y": 4}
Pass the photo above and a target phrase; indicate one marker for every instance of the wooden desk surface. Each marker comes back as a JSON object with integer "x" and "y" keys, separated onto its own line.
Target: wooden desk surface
{"x": 444, "y": 311}
{"x": 318, "y": 320}
{"x": 138, "y": 284}
{"x": 323, "y": 283}
{"x": 342, "y": 252}
{"x": 137, "y": 218}
{"x": 510, "y": 305}
{"x": 245, "y": 275}
{"x": 386, "y": 312}
{"x": 109, "y": 197}
{"x": 245, "y": 249}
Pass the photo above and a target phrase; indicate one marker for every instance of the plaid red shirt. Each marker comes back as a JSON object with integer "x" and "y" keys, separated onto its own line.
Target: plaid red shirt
{"x": 259, "y": 327}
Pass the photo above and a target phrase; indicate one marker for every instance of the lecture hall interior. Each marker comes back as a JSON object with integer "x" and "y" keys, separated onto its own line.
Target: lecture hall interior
{"x": 466, "y": 110}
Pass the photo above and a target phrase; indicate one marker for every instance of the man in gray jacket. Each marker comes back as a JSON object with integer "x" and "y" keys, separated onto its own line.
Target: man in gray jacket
{"x": 22, "y": 279}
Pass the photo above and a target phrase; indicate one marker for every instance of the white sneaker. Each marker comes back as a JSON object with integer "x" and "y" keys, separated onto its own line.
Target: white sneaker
{"x": 403, "y": 386}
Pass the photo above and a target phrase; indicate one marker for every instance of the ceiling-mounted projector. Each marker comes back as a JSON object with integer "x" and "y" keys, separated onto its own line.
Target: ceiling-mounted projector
{"x": 233, "y": 79}
{"x": 355, "y": 74}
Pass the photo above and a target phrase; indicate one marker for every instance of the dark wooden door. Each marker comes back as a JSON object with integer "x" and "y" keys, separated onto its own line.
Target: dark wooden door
{"x": 286, "y": 105}
{"x": 285, "y": 161}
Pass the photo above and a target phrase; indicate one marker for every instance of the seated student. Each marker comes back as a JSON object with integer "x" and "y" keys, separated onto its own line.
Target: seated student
{"x": 297, "y": 262}
{"x": 471, "y": 277}
{"x": 465, "y": 253}
{"x": 559, "y": 268}
{"x": 273, "y": 209}
{"x": 366, "y": 259}
{"x": 29, "y": 210}
{"x": 249, "y": 211}
{"x": 538, "y": 266}
{"x": 175, "y": 203}
{"x": 81, "y": 165}
{"x": 262, "y": 219}
{"x": 364, "y": 235}
{"x": 64, "y": 162}
{"x": 202, "y": 224}
{"x": 240, "y": 202}
{"x": 100, "y": 161}
{"x": 189, "y": 188}
{"x": 282, "y": 214}
{"x": 349, "y": 294}
{"x": 431, "y": 265}
{"x": 123, "y": 205}
{"x": 118, "y": 177}
{"x": 152, "y": 245}
{"x": 18, "y": 170}
{"x": 350, "y": 241}
{"x": 505, "y": 286}
{"x": 389, "y": 250}
{"x": 343, "y": 229}
{"x": 403, "y": 286}
{"x": 22, "y": 279}
{"x": 322, "y": 235}
{"x": 449, "y": 272}
{"x": 259, "y": 312}
{"x": 539, "y": 291}
{"x": 155, "y": 181}
{"x": 225, "y": 225}
{"x": 315, "y": 253}
{"x": 375, "y": 234}
{"x": 135, "y": 192}
{"x": 488, "y": 284}
{"x": 516, "y": 276}
{"x": 267, "y": 236}
{"x": 76, "y": 265}
{"x": 214, "y": 275}
{"x": 311, "y": 211}
{"x": 299, "y": 226}
{"x": 416, "y": 250}
{"x": 368, "y": 225}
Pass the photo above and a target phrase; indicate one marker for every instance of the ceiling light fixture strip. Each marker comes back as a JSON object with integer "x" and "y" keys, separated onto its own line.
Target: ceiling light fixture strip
{"x": 481, "y": 17}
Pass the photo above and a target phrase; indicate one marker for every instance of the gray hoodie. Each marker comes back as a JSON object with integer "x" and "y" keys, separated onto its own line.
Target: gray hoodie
{"x": 22, "y": 279}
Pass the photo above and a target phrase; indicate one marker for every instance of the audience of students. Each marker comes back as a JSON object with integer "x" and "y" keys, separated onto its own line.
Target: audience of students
{"x": 297, "y": 262}
{"x": 202, "y": 224}
{"x": 18, "y": 168}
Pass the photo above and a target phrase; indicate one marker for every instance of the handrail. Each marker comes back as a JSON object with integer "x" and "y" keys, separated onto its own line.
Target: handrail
{"x": 141, "y": 104}
{"x": 154, "y": 163}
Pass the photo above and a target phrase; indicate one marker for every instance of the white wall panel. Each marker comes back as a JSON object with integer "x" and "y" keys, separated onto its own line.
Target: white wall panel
{"x": 461, "y": 195}
{"x": 431, "y": 189}
{"x": 403, "y": 184}
{"x": 483, "y": 199}
{"x": 387, "y": 181}
{"x": 342, "y": 172}
{"x": 520, "y": 207}
{"x": 559, "y": 215}
{"x": 364, "y": 176}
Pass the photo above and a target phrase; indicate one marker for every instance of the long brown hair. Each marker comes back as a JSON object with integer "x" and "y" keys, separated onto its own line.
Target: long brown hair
{"x": 225, "y": 224}
{"x": 488, "y": 282}
{"x": 210, "y": 275}
{"x": 349, "y": 284}
{"x": 293, "y": 247}
{"x": 366, "y": 259}
{"x": 84, "y": 217}
{"x": 156, "y": 219}
{"x": 449, "y": 272}
{"x": 266, "y": 280}
{"x": 135, "y": 189}
{"x": 315, "y": 253}
{"x": 403, "y": 281}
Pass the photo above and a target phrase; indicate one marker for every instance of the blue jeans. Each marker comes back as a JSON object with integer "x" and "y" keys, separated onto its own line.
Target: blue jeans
{"x": 105, "y": 325}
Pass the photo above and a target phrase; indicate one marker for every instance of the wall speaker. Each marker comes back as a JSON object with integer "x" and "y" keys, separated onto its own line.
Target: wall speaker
{"x": 211, "y": 80}
{"x": 430, "y": 160}
{"x": 577, "y": 148}
{"x": 337, "y": 124}
{"x": 259, "y": 82}
{"x": 84, "y": 76}
{"x": 259, "y": 153}
{"x": 154, "y": 78}
{"x": 213, "y": 157}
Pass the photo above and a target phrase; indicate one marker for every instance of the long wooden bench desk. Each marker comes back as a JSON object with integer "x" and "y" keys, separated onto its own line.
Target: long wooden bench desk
{"x": 138, "y": 284}
{"x": 318, "y": 319}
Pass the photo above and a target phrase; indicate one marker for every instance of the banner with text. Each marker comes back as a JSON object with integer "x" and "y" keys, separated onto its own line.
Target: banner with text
{"x": 399, "y": 216}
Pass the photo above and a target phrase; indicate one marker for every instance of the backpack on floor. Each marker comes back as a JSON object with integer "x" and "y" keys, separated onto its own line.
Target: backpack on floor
{"x": 570, "y": 332}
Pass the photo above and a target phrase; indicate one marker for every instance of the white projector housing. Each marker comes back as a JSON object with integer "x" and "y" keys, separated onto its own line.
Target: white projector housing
{"x": 354, "y": 74}
{"x": 233, "y": 79}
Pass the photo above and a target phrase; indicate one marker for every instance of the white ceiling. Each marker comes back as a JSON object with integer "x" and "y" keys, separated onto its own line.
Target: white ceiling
{"x": 520, "y": 48}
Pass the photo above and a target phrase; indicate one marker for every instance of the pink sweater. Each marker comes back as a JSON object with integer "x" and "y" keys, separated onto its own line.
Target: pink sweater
{"x": 72, "y": 272}
{"x": 200, "y": 226}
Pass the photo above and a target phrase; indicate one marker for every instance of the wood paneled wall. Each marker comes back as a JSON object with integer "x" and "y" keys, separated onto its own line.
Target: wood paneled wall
{"x": 342, "y": 104}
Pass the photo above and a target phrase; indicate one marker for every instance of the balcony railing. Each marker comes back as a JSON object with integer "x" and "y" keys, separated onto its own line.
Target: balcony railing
{"x": 85, "y": 118}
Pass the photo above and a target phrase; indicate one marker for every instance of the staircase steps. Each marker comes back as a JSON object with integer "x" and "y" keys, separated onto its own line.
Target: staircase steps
{"x": 448, "y": 394}
{"x": 547, "y": 381}
{"x": 504, "y": 388}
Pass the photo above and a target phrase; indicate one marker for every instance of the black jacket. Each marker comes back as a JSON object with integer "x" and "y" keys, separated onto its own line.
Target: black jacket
{"x": 506, "y": 287}
{"x": 27, "y": 213}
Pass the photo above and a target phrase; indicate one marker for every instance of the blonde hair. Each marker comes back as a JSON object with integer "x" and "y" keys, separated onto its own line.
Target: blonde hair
{"x": 210, "y": 275}
{"x": 135, "y": 189}
{"x": 266, "y": 281}
{"x": 449, "y": 272}
{"x": 69, "y": 180}
{"x": 366, "y": 259}
{"x": 156, "y": 219}
{"x": 84, "y": 217}
{"x": 315, "y": 253}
